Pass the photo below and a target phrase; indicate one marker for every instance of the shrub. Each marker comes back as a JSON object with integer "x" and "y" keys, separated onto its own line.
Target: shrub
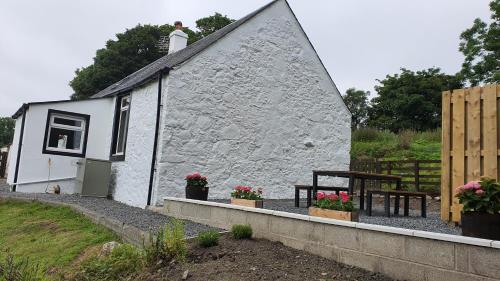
{"x": 21, "y": 270}
{"x": 168, "y": 244}
{"x": 430, "y": 136}
{"x": 122, "y": 264}
{"x": 365, "y": 134}
{"x": 480, "y": 196}
{"x": 208, "y": 238}
{"x": 246, "y": 192}
{"x": 241, "y": 231}
{"x": 405, "y": 139}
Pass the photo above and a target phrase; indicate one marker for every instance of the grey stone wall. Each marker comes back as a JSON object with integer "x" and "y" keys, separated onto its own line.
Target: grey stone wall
{"x": 399, "y": 253}
{"x": 256, "y": 108}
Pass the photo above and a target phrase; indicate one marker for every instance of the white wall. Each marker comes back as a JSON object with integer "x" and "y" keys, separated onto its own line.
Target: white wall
{"x": 241, "y": 111}
{"x": 131, "y": 177}
{"x": 34, "y": 166}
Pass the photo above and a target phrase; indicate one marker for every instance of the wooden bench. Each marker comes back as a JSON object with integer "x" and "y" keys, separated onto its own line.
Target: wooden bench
{"x": 309, "y": 189}
{"x": 397, "y": 193}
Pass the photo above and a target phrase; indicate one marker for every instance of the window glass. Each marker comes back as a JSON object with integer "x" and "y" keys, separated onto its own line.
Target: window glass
{"x": 67, "y": 122}
{"x": 120, "y": 145}
{"x": 121, "y": 127}
{"x": 65, "y": 139}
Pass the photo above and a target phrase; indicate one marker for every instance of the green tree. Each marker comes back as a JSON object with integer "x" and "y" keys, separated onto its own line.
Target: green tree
{"x": 480, "y": 45}
{"x": 130, "y": 51}
{"x": 6, "y": 130}
{"x": 410, "y": 100}
{"x": 209, "y": 25}
{"x": 357, "y": 102}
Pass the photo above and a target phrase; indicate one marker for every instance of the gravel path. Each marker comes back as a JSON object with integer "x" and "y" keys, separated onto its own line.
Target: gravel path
{"x": 140, "y": 218}
{"x": 432, "y": 223}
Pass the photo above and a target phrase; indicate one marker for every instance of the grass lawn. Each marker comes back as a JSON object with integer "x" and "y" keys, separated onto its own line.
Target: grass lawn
{"x": 50, "y": 236}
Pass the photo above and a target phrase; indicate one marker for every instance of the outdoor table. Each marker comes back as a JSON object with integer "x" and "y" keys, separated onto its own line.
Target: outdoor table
{"x": 352, "y": 176}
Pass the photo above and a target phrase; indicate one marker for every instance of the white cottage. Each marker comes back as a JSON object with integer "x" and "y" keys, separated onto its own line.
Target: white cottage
{"x": 250, "y": 104}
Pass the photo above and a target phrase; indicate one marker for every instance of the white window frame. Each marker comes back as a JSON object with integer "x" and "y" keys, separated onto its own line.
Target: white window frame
{"x": 119, "y": 115}
{"x": 82, "y": 128}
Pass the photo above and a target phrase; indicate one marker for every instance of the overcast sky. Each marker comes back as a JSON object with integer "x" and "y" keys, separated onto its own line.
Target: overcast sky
{"x": 42, "y": 42}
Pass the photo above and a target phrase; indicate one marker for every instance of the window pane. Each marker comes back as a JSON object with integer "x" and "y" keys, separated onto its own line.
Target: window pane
{"x": 68, "y": 122}
{"x": 64, "y": 139}
{"x": 125, "y": 101}
{"x": 122, "y": 132}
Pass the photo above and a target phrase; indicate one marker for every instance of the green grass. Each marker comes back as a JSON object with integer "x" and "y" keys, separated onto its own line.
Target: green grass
{"x": 50, "y": 236}
{"x": 384, "y": 145}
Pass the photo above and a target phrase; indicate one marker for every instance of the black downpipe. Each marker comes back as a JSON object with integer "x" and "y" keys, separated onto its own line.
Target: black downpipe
{"x": 153, "y": 159}
{"x": 19, "y": 149}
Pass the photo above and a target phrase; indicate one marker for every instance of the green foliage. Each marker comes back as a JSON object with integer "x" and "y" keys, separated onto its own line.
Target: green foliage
{"x": 52, "y": 236}
{"x": 483, "y": 196}
{"x": 208, "y": 238}
{"x": 334, "y": 202}
{"x": 246, "y": 192}
{"x": 209, "y": 25}
{"x": 131, "y": 51}
{"x": 168, "y": 244}
{"x": 357, "y": 102}
{"x": 241, "y": 231}
{"x": 480, "y": 45}
{"x": 12, "y": 269}
{"x": 410, "y": 100}
{"x": 371, "y": 134}
{"x": 405, "y": 139}
{"x": 124, "y": 262}
{"x": 6, "y": 130}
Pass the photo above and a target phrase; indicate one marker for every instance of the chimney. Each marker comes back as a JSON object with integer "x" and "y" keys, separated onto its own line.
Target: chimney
{"x": 178, "y": 39}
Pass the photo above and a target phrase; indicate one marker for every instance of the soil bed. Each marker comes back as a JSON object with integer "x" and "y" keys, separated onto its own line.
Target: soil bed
{"x": 255, "y": 260}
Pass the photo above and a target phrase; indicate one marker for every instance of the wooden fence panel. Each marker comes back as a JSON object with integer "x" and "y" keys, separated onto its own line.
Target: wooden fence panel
{"x": 469, "y": 148}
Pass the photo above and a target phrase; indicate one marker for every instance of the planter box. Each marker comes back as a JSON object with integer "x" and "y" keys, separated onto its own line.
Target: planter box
{"x": 197, "y": 193}
{"x": 248, "y": 203}
{"x": 481, "y": 225}
{"x": 332, "y": 214}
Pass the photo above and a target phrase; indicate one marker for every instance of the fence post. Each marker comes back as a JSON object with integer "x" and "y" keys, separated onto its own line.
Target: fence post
{"x": 417, "y": 175}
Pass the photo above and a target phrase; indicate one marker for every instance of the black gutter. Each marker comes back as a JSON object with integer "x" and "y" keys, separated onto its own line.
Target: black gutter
{"x": 155, "y": 145}
{"x": 19, "y": 148}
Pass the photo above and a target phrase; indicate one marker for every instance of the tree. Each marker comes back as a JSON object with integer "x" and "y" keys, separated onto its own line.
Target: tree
{"x": 480, "y": 45}
{"x": 209, "y": 25}
{"x": 132, "y": 50}
{"x": 410, "y": 100}
{"x": 6, "y": 130}
{"x": 357, "y": 102}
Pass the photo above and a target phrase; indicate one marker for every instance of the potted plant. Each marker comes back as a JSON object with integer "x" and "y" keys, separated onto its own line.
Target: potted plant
{"x": 196, "y": 187}
{"x": 334, "y": 206}
{"x": 246, "y": 196}
{"x": 481, "y": 208}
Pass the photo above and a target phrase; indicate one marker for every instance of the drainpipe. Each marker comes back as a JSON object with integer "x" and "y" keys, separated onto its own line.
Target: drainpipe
{"x": 155, "y": 145}
{"x": 19, "y": 148}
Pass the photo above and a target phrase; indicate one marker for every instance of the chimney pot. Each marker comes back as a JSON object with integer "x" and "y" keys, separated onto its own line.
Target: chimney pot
{"x": 178, "y": 25}
{"x": 178, "y": 39}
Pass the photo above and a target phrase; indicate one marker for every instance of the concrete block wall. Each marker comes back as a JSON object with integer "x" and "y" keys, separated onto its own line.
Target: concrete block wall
{"x": 399, "y": 253}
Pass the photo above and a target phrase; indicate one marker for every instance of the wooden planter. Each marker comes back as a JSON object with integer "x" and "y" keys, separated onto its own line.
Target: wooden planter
{"x": 332, "y": 214}
{"x": 247, "y": 203}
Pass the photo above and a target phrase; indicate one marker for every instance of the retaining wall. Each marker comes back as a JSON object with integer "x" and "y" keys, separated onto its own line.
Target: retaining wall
{"x": 399, "y": 253}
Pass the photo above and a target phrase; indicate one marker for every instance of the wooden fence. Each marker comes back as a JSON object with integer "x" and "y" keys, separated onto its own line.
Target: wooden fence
{"x": 418, "y": 175}
{"x": 470, "y": 142}
{"x": 3, "y": 163}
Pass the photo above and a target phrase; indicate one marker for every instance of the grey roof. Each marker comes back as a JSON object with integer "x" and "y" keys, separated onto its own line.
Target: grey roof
{"x": 167, "y": 62}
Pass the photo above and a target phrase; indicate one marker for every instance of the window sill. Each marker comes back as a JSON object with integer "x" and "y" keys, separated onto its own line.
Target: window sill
{"x": 64, "y": 153}
{"x": 117, "y": 158}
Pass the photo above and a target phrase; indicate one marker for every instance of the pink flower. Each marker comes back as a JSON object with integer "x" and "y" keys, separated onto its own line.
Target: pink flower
{"x": 479, "y": 192}
{"x": 332, "y": 196}
{"x": 472, "y": 185}
{"x": 459, "y": 189}
{"x": 320, "y": 195}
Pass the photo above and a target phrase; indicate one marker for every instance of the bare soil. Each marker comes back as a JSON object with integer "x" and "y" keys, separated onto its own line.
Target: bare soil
{"x": 255, "y": 260}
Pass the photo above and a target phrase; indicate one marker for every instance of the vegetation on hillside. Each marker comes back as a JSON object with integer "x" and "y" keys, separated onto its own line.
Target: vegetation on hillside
{"x": 369, "y": 143}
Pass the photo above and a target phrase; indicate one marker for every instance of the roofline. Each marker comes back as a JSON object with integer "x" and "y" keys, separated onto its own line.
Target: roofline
{"x": 25, "y": 106}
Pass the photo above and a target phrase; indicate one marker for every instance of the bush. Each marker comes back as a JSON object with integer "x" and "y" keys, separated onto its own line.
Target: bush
{"x": 405, "y": 139}
{"x": 21, "y": 270}
{"x": 365, "y": 134}
{"x": 169, "y": 243}
{"x": 431, "y": 136}
{"x": 122, "y": 264}
{"x": 241, "y": 231}
{"x": 208, "y": 238}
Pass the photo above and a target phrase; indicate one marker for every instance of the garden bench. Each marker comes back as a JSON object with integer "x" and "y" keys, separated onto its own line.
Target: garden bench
{"x": 309, "y": 189}
{"x": 397, "y": 193}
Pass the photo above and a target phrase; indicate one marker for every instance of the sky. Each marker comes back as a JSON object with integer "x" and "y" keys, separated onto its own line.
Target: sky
{"x": 43, "y": 42}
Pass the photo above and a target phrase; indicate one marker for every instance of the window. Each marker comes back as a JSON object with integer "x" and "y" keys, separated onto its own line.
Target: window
{"x": 66, "y": 133}
{"x": 119, "y": 143}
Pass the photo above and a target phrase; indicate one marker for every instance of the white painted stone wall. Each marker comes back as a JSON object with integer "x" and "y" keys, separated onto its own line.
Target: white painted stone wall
{"x": 242, "y": 111}
{"x": 130, "y": 178}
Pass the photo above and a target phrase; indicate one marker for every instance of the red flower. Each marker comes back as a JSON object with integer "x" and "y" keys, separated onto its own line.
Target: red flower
{"x": 320, "y": 195}
{"x": 332, "y": 196}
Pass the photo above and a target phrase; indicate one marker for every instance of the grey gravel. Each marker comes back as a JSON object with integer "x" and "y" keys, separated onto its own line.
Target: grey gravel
{"x": 432, "y": 223}
{"x": 143, "y": 219}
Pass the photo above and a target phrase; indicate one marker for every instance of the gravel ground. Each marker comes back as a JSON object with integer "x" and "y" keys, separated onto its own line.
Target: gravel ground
{"x": 140, "y": 218}
{"x": 432, "y": 223}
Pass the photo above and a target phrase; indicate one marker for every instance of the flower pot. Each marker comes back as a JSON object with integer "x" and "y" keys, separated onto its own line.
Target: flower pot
{"x": 247, "y": 203}
{"x": 197, "y": 192}
{"x": 333, "y": 214}
{"x": 481, "y": 225}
